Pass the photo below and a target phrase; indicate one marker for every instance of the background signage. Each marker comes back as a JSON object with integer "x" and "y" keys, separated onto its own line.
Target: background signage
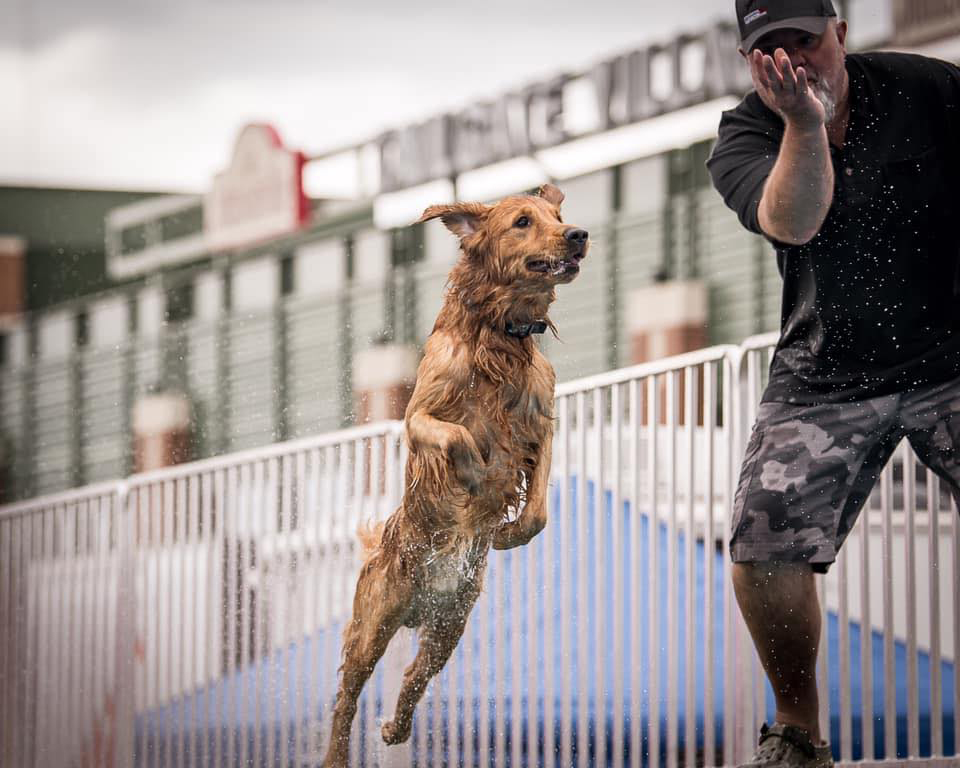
{"x": 626, "y": 89}
{"x": 259, "y": 196}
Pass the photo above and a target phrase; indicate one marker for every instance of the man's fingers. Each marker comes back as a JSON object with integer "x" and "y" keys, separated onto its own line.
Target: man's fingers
{"x": 783, "y": 61}
{"x": 786, "y": 70}
{"x": 759, "y": 71}
{"x": 773, "y": 75}
{"x": 785, "y": 90}
{"x": 762, "y": 77}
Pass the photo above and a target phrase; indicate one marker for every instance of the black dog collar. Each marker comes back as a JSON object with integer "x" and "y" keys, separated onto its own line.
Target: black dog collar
{"x": 522, "y": 330}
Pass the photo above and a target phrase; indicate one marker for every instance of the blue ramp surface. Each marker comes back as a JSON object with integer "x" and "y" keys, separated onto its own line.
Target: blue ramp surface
{"x": 265, "y": 692}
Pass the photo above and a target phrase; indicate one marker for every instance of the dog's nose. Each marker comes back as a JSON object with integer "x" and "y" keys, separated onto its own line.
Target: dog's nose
{"x": 577, "y": 238}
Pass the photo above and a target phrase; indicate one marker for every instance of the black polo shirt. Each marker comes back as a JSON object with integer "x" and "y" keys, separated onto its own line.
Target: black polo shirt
{"x": 871, "y": 305}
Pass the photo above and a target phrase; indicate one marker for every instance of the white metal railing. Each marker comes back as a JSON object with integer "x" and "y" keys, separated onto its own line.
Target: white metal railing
{"x": 192, "y": 615}
{"x": 141, "y": 596}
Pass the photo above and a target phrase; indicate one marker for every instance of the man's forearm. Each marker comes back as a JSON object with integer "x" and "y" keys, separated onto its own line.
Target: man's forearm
{"x": 799, "y": 190}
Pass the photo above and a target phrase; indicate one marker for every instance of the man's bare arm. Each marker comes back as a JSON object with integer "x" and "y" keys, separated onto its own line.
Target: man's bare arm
{"x": 799, "y": 190}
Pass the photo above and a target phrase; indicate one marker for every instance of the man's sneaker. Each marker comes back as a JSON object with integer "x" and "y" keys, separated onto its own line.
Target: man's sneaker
{"x": 786, "y": 746}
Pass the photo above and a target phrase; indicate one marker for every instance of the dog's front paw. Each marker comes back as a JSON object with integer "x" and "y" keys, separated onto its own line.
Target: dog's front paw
{"x": 469, "y": 476}
{"x": 395, "y": 734}
{"x": 468, "y": 464}
{"x": 509, "y": 535}
{"x": 518, "y": 532}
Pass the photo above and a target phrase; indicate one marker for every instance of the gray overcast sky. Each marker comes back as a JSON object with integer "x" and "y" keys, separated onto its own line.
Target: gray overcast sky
{"x": 132, "y": 94}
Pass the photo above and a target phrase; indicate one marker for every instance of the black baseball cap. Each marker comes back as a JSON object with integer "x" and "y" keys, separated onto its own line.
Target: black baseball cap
{"x": 757, "y": 17}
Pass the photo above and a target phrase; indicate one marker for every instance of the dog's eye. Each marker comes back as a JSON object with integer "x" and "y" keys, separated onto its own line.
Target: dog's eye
{"x": 522, "y": 222}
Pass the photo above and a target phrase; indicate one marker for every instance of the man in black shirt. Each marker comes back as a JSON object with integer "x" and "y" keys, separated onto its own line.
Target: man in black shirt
{"x": 843, "y": 163}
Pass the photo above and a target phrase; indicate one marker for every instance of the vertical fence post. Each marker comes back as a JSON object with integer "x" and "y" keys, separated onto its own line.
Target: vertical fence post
{"x": 223, "y": 401}
{"x": 743, "y": 656}
{"x": 400, "y": 651}
{"x": 281, "y": 378}
{"x": 613, "y": 289}
{"x": 128, "y": 363}
{"x": 77, "y": 403}
{"x": 345, "y": 301}
{"x": 25, "y": 461}
{"x": 125, "y": 634}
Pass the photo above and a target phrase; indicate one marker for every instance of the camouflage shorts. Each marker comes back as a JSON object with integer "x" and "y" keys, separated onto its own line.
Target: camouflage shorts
{"x": 808, "y": 469}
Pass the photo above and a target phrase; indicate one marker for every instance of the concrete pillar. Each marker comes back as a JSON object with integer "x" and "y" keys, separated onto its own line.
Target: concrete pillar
{"x": 383, "y": 378}
{"x": 161, "y": 431}
{"x": 12, "y": 288}
{"x": 6, "y": 468}
{"x": 667, "y": 319}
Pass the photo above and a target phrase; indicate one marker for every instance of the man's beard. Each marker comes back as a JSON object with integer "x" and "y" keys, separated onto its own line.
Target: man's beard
{"x": 827, "y": 97}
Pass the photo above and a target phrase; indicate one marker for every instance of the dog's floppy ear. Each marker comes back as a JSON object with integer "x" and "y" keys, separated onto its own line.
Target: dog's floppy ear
{"x": 551, "y": 194}
{"x": 463, "y": 219}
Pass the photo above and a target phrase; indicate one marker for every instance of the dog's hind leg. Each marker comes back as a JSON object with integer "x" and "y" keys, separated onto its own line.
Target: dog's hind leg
{"x": 437, "y": 641}
{"x": 379, "y": 607}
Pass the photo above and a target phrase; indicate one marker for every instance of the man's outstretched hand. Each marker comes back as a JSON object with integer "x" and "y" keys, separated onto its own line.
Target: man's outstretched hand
{"x": 786, "y": 91}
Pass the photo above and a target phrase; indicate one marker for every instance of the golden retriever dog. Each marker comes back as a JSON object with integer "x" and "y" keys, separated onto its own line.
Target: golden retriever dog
{"x": 479, "y": 428}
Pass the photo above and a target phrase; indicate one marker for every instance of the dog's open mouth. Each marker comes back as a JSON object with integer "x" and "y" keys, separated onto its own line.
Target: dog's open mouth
{"x": 554, "y": 268}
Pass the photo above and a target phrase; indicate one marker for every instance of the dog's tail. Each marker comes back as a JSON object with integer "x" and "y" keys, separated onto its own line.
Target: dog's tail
{"x": 370, "y": 534}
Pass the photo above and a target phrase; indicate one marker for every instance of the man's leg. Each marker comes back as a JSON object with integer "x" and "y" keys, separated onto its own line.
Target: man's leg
{"x": 806, "y": 474}
{"x": 780, "y": 606}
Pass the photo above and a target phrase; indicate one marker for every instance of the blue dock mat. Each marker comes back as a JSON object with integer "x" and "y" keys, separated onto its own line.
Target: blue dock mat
{"x": 218, "y": 710}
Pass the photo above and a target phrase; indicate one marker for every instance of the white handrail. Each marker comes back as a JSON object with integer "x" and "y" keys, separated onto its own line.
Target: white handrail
{"x": 179, "y": 593}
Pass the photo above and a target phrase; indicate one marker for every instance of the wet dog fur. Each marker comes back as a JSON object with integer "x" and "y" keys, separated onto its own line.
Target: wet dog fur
{"x": 479, "y": 428}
